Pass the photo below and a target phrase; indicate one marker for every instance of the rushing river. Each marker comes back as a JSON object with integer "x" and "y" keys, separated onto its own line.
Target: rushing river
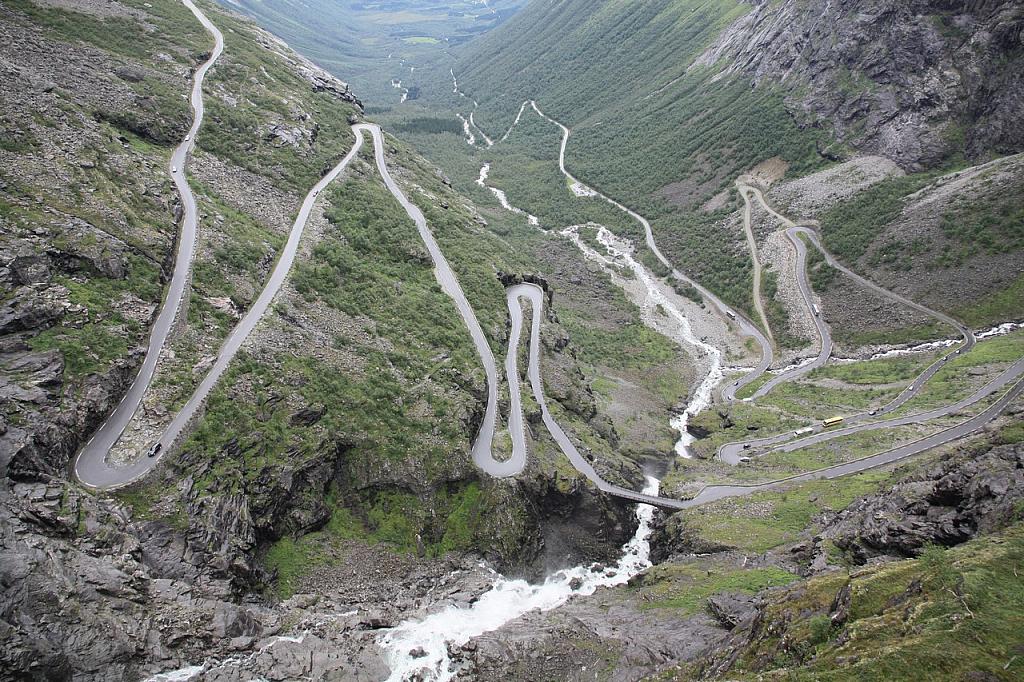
{"x": 504, "y": 602}
{"x": 659, "y": 310}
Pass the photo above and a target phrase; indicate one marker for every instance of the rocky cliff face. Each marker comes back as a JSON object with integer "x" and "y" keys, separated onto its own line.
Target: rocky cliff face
{"x": 914, "y": 81}
{"x": 947, "y": 504}
{"x": 178, "y": 568}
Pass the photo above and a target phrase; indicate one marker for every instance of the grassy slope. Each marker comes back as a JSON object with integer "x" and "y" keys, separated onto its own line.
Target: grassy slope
{"x": 951, "y": 614}
{"x": 598, "y": 69}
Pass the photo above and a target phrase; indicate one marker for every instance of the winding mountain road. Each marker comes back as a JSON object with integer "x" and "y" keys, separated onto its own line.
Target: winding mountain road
{"x": 824, "y": 334}
{"x": 1010, "y": 377}
{"x": 482, "y": 455}
{"x": 90, "y": 466}
{"x": 748, "y": 229}
{"x": 93, "y": 470}
{"x": 733, "y": 452}
{"x": 746, "y": 327}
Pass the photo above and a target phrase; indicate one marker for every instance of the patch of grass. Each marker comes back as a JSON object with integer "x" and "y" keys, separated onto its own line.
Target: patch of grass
{"x": 743, "y": 421}
{"x": 996, "y": 226}
{"x": 954, "y": 380}
{"x": 818, "y": 402}
{"x": 917, "y": 333}
{"x": 849, "y": 228}
{"x": 290, "y": 559}
{"x": 632, "y": 346}
{"x": 765, "y": 520}
{"x": 844, "y": 449}
{"x": 686, "y": 587}
{"x": 1000, "y": 306}
{"x": 91, "y": 347}
{"x": 448, "y": 521}
{"x": 1010, "y": 434}
{"x": 778, "y": 316}
{"x": 126, "y": 36}
{"x": 879, "y": 371}
{"x": 952, "y": 614}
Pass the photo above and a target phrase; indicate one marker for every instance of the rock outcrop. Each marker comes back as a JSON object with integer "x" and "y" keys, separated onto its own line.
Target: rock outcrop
{"x": 914, "y": 81}
{"x": 947, "y": 504}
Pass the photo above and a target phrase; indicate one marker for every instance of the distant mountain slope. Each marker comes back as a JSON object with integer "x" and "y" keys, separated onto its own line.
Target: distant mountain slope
{"x": 670, "y": 100}
{"x": 365, "y": 43}
{"x": 916, "y": 81}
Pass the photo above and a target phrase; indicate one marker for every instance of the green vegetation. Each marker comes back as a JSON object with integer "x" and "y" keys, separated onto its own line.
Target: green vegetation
{"x": 176, "y": 28}
{"x": 270, "y": 93}
{"x": 951, "y": 614}
{"x": 998, "y": 306}
{"x": 400, "y": 520}
{"x": 420, "y": 40}
{"x": 915, "y": 333}
{"x": 765, "y": 520}
{"x": 367, "y": 250}
{"x": 741, "y": 421}
{"x": 955, "y": 381}
{"x": 1010, "y": 434}
{"x": 873, "y": 372}
{"x": 844, "y": 449}
{"x": 634, "y": 345}
{"x": 89, "y": 347}
{"x": 997, "y": 226}
{"x": 820, "y": 274}
{"x": 365, "y": 43}
{"x": 816, "y": 400}
{"x": 686, "y": 587}
{"x": 778, "y": 316}
{"x": 430, "y": 125}
{"x": 851, "y": 227}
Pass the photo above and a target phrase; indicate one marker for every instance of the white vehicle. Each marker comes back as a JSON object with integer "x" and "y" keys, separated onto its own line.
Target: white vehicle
{"x": 816, "y": 309}
{"x": 174, "y": 169}
{"x": 744, "y": 460}
{"x": 187, "y": 138}
{"x": 804, "y": 431}
{"x": 730, "y": 314}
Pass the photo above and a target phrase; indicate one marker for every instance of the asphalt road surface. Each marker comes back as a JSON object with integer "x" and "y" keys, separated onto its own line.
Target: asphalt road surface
{"x": 90, "y": 464}
{"x": 482, "y": 455}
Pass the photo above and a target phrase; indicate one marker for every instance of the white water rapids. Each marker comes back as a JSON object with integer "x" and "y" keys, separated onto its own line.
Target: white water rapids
{"x": 431, "y": 637}
{"x": 467, "y": 131}
{"x": 506, "y": 601}
{"x": 502, "y": 197}
{"x": 659, "y": 311}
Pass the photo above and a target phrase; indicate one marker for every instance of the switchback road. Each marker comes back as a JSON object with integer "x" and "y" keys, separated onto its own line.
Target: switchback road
{"x": 90, "y": 466}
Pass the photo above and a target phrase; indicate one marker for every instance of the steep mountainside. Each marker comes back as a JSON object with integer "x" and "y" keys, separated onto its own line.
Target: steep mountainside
{"x": 670, "y": 101}
{"x": 915, "y": 81}
{"x": 334, "y": 454}
{"x": 822, "y": 498}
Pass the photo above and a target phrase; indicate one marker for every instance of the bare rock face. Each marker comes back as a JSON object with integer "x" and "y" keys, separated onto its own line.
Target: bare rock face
{"x": 947, "y": 504}
{"x": 913, "y": 81}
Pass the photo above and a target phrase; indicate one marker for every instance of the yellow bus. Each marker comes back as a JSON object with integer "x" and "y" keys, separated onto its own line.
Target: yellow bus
{"x": 832, "y": 421}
